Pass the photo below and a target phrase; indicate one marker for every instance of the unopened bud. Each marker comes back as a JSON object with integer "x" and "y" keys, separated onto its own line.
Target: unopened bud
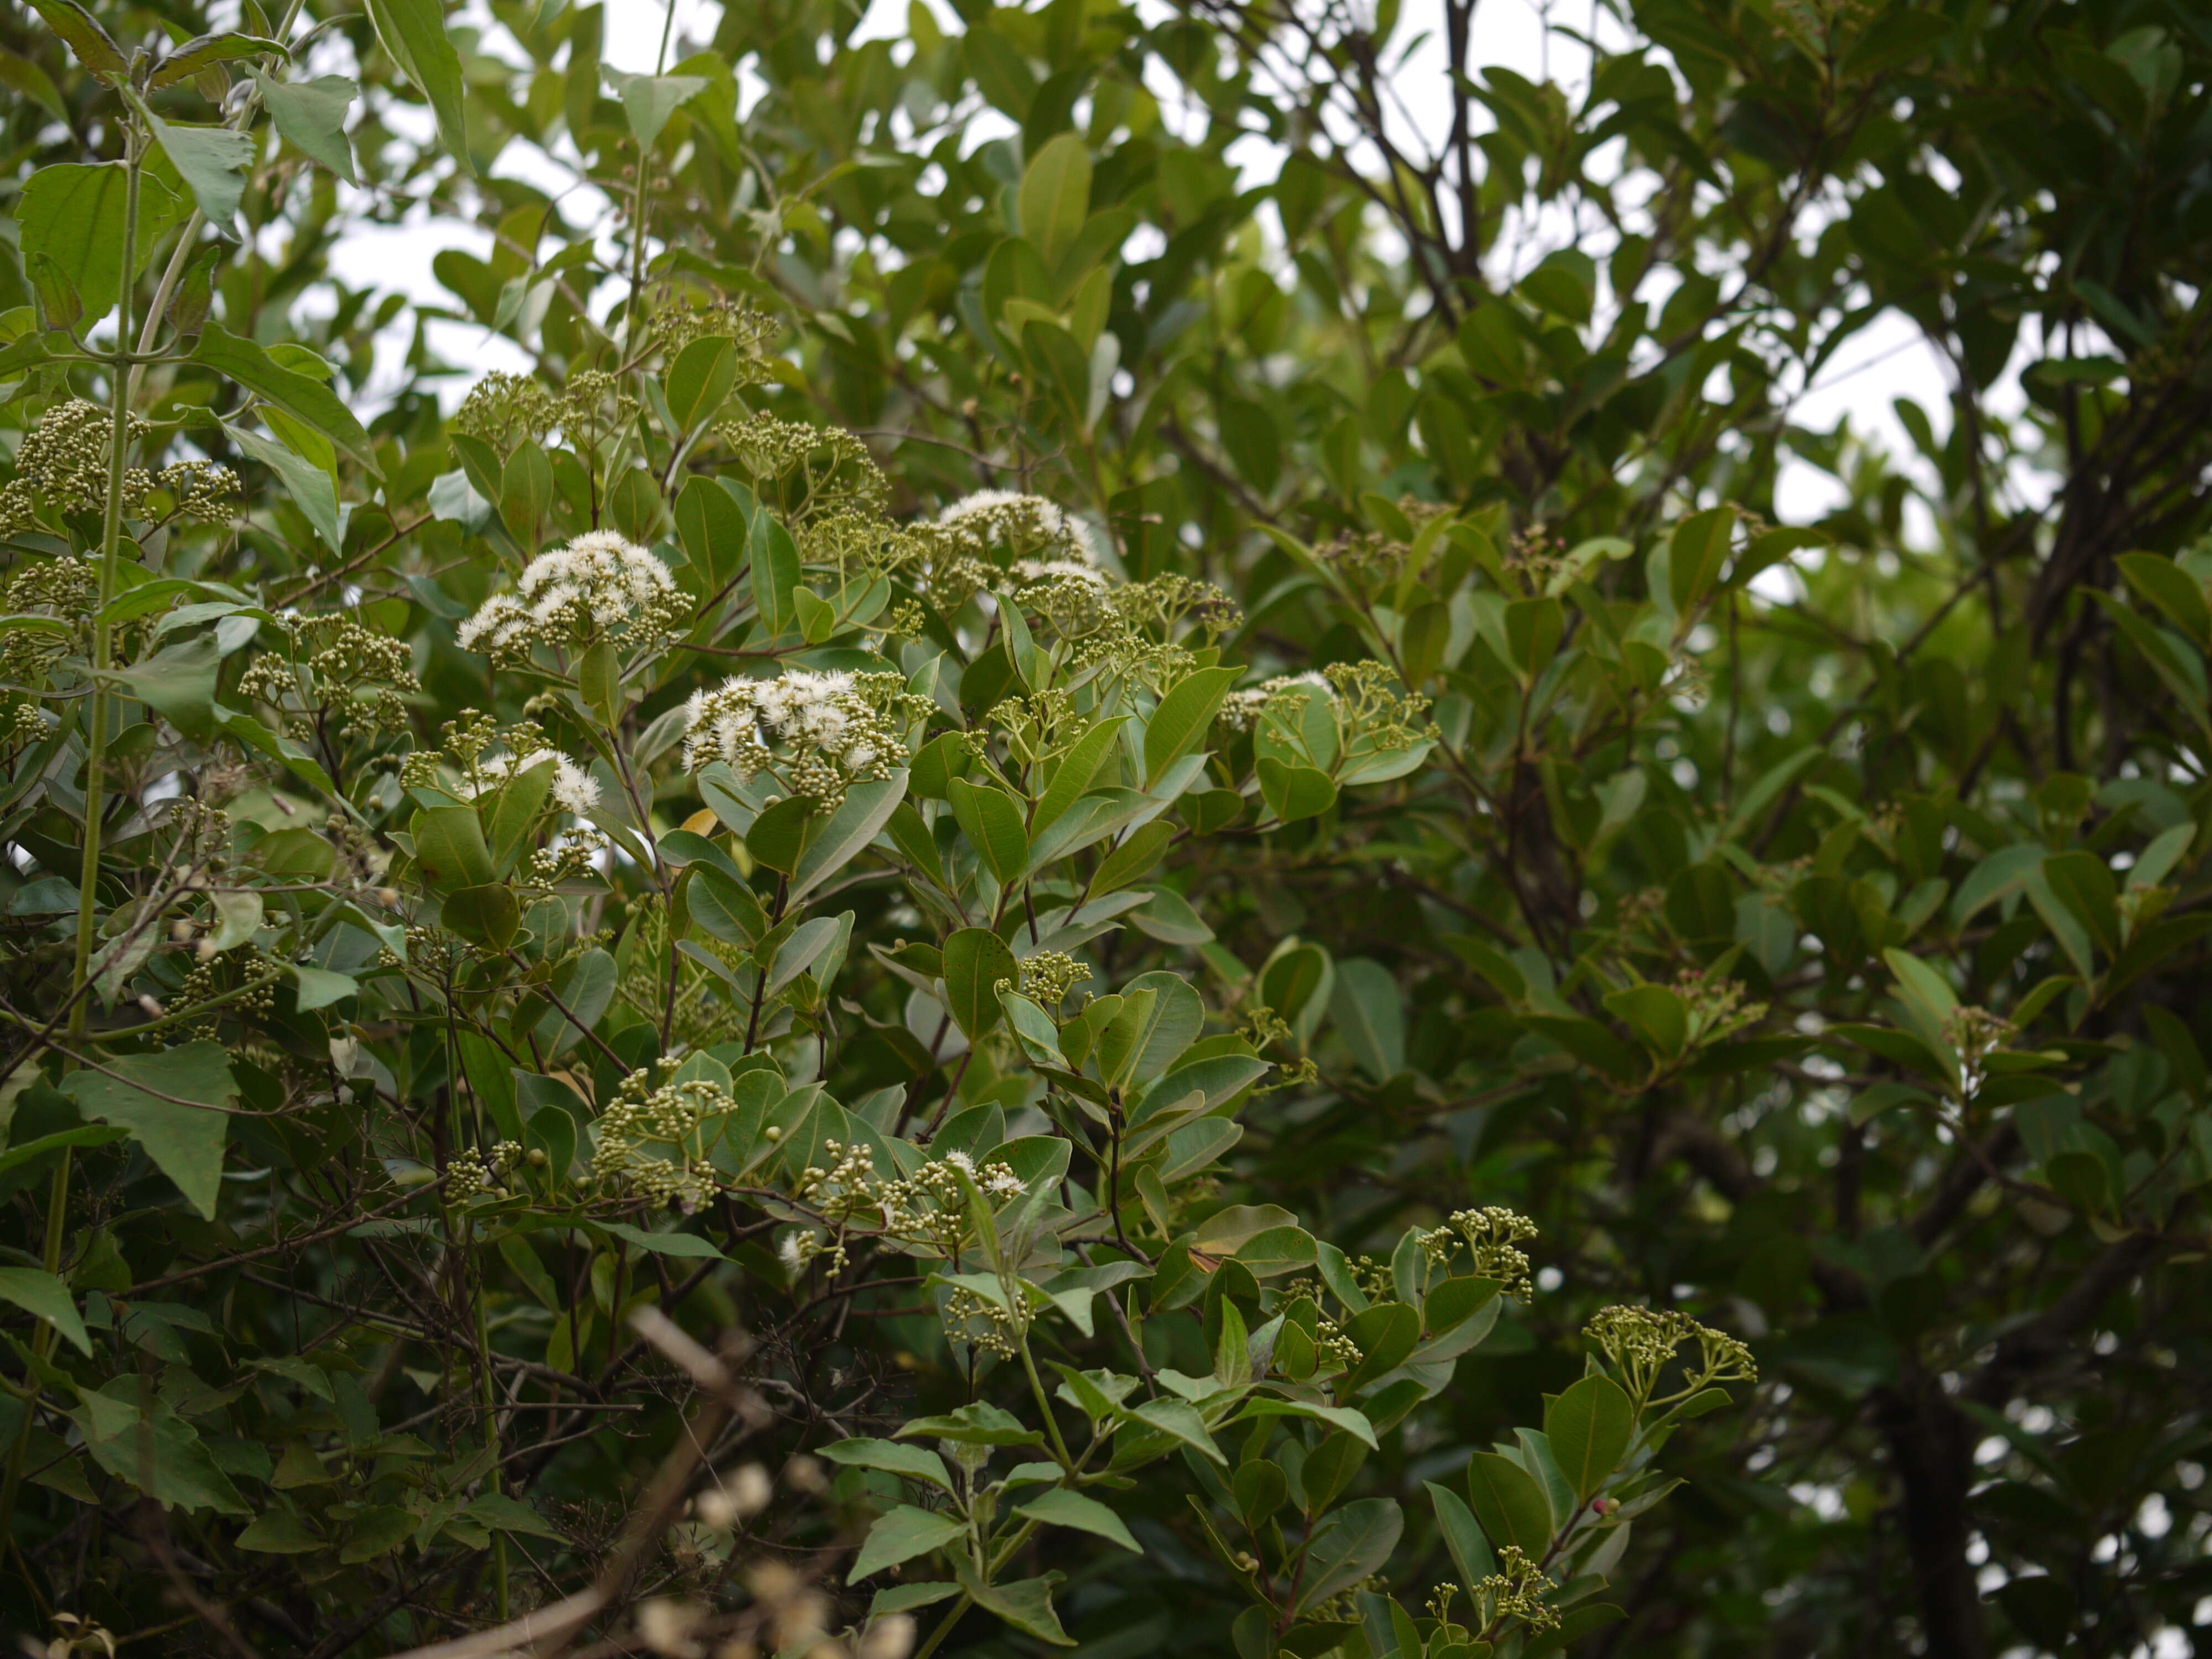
{"x": 205, "y": 949}
{"x": 537, "y": 1160}
{"x": 891, "y": 1637}
{"x": 1605, "y": 1505}
{"x": 182, "y": 929}
{"x": 154, "y": 1010}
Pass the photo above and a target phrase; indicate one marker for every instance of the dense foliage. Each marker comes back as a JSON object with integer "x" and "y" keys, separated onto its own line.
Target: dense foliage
{"x": 1065, "y": 896}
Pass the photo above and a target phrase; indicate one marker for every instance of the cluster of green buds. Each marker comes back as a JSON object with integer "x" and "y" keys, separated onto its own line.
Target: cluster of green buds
{"x": 651, "y": 1139}
{"x": 1641, "y": 1342}
{"x": 471, "y": 1174}
{"x": 63, "y": 462}
{"x": 1494, "y": 1235}
{"x": 1516, "y": 1590}
{"x": 927, "y": 1208}
{"x": 335, "y": 666}
{"x": 1715, "y": 1006}
{"x": 1049, "y": 976}
{"x": 818, "y": 469}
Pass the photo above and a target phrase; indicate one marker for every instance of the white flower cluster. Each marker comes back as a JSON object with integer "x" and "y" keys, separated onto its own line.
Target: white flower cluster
{"x": 599, "y": 586}
{"x": 574, "y": 790}
{"x": 1045, "y": 540}
{"x": 820, "y": 732}
{"x": 1241, "y": 710}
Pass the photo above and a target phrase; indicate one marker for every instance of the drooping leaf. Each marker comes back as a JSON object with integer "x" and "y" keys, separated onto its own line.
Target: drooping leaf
{"x": 148, "y": 1095}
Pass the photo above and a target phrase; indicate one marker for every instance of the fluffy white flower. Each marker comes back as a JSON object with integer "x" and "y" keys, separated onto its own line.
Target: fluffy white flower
{"x": 996, "y": 517}
{"x": 600, "y": 583}
{"x": 574, "y": 790}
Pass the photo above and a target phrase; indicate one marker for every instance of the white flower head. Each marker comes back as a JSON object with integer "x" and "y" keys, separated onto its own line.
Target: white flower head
{"x": 1030, "y": 526}
{"x": 601, "y": 584}
{"x": 574, "y": 790}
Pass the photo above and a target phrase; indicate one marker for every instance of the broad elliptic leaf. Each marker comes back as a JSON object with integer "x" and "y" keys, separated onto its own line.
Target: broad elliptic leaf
{"x": 1589, "y": 1426}
{"x": 1061, "y": 1507}
{"x": 901, "y": 1534}
{"x": 414, "y": 33}
{"x": 184, "y": 1141}
{"x": 1355, "y": 1546}
{"x": 74, "y": 216}
{"x": 311, "y": 116}
{"x": 1511, "y": 1506}
{"x": 212, "y": 162}
{"x": 976, "y": 961}
{"x": 308, "y": 400}
{"x": 313, "y": 490}
{"x": 916, "y": 1462}
{"x": 92, "y": 45}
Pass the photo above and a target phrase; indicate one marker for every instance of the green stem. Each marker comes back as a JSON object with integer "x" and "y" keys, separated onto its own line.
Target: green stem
{"x": 121, "y": 380}
{"x": 1044, "y": 1405}
{"x": 944, "y": 1628}
{"x": 491, "y": 1421}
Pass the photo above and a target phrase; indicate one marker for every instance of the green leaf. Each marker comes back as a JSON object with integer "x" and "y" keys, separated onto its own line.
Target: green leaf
{"x": 775, "y": 572}
{"x": 1511, "y": 1506}
{"x": 979, "y": 1424}
{"x": 992, "y": 823}
{"x": 33, "y": 82}
{"x": 687, "y": 1247}
{"x": 648, "y": 100}
{"x": 1025, "y": 1604}
{"x": 208, "y": 50}
{"x": 74, "y": 216}
{"x": 91, "y": 44}
{"x": 1294, "y": 792}
{"x": 308, "y": 400}
{"x": 1657, "y": 1013}
{"x": 1369, "y": 1015}
{"x": 837, "y": 840}
{"x": 1061, "y": 1507}
{"x": 1075, "y": 771}
{"x": 1355, "y": 1544}
{"x": 711, "y": 524}
{"x": 1056, "y": 197}
{"x": 159, "y": 1453}
{"x": 1179, "y": 724}
{"x": 211, "y": 160}
{"x": 2172, "y": 590}
{"x": 977, "y": 960}
{"x": 506, "y": 1514}
{"x": 1589, "y": 1426}
{"x": 314, "y": 490}
{"x": 311, "y": 115}
{"x": 488, "y": 916}
{"x": 318, "y": 988}
{"x": 450, "y": 848}
{"x": 280, "y": 1532}
{"x": 1696, "y": 555}
{"x": 184, "y": 1141}
{"x": 1179, "y": 1420}
{"x": 916, "y": 1462}
{"x": 700, "y": 379}
{"x": 179, "y": 683}
{"x": 905, "y": 1598}
{"x": 1470, "y": 1552}
{"x": 722, "y": 907}
{"x": 44, "y": 1297}
{"x": 414, "y": 33}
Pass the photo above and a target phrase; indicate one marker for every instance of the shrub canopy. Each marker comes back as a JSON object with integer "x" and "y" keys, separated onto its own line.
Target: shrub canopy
{"x": 1058, "y": 891}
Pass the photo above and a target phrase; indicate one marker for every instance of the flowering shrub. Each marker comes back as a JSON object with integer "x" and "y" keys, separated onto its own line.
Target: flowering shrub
{"x": 961, "y": 939}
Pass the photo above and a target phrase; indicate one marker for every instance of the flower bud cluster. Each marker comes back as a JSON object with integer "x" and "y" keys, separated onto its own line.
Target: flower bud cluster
{"x": 1493, "y": 1235}
{"x": 470, "y": 1174}
{"x": 1640, "y": 1342}
{"x": 599, "y": 587}
{"x": 650, "y": 1139}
